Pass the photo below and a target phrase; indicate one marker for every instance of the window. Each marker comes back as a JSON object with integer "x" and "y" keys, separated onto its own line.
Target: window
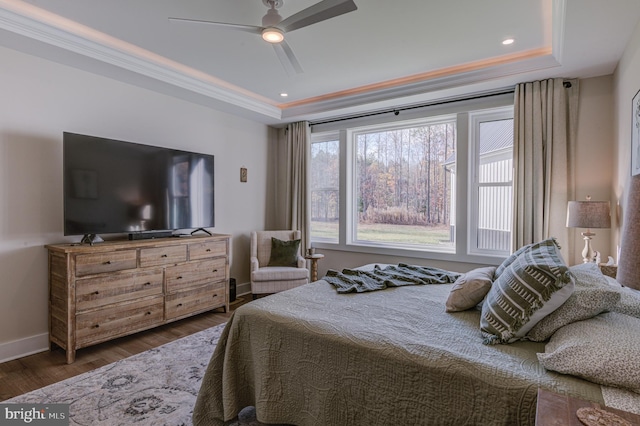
{"x": 324, "y": 186}
{"x": 431, "y": 185}
{"x": 491, "y": 181}
{"x": 402, "y": 188}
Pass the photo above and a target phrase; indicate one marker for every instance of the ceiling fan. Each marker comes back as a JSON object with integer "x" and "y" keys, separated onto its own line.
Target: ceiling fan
{"x": 274, "y": 27}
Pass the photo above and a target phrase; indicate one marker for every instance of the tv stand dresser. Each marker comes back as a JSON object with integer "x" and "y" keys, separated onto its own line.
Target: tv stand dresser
{"x": 108, "y": 290}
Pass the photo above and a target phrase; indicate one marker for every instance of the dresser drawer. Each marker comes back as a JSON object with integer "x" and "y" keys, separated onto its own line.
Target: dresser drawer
{"x": 104, "y": 290}
{"x": 195, "y": 273}
{"x": 97, "y": 263}
{"x": 118, "y": 320}
{"x": 194, "y": 300}
{"x": 158, "y": 256}
{"x": 207, "y": 249}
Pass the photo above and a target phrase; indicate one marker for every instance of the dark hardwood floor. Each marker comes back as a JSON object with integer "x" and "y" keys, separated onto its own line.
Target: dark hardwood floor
{"x": 33, "y": 372}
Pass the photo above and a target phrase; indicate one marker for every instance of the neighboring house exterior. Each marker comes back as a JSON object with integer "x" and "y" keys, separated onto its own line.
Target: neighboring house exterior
{"x": 495, "y": 180}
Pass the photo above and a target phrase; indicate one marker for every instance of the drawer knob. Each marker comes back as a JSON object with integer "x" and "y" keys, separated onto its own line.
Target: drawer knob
{"x": 147, "y": 283}
{"x": 96, "y": 292}
{"x": 215, "y": 295}
{"x": 215, "y": 270}
{"x": 179, "y": 277}
{"x": 179, "y": 304}
{"x": 208, "y": 249}
{"x": 164, "y": 255}
{"x": 96, "y": 326}
{"x": 108, "y": 262}
{"x": 148, "y": 313}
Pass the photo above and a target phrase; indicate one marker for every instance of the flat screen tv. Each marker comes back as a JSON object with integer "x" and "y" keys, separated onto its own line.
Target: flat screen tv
{"x": 113, "y": 186}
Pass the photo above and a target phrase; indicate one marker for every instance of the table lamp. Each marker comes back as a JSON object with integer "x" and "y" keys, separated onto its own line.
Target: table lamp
{"x": 588, "y": 214}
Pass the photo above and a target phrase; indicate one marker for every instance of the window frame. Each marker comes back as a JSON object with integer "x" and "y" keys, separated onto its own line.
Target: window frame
{"x": 352, "y": 217}
{"x": 323, "y": 137}
{"x": 460, "y": 108}
{"x": 476, "y": 117}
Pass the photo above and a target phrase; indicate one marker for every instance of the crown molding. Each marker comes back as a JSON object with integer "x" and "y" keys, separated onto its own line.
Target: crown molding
{"x": 468, "y": 74}
{"x": 37, "y": 24}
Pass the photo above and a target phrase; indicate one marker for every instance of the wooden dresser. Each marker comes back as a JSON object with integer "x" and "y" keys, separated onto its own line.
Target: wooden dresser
{"x": 114, "y": 288}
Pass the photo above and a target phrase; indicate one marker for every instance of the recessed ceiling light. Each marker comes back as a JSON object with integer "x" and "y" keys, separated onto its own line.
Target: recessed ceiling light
{"x": 508, "y": 41}
{"x": 284, "y": 95}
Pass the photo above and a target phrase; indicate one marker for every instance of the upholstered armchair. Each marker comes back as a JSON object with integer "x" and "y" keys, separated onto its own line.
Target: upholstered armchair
{"x": 272, "y": 279}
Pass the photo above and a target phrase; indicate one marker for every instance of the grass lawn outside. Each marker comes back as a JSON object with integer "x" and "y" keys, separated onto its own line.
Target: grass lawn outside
{"x": 386, "y": 233}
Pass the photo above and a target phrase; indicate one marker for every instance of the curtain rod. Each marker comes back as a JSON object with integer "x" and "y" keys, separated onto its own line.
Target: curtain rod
{"x": 397, "y": 111}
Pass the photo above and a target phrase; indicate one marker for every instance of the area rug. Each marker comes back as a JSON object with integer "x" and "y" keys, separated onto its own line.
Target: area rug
{"x": 156, "y": 387}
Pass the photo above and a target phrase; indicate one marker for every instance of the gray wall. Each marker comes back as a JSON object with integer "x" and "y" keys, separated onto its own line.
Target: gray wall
{"x": 41, "y": 99}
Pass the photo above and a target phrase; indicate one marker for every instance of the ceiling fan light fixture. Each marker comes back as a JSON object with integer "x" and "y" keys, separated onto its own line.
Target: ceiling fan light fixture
{"x": 272, "y": 35}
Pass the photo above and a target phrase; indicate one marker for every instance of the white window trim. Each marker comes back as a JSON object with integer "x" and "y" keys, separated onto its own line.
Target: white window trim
{"x": 329, "y": 136}
{"x": 352, "y": 134}
{"x": 475, "y": 118}
{"x": 346, "y": 194}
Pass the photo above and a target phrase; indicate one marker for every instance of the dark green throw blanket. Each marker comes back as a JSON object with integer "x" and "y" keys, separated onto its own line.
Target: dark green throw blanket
{"x": 354, "y": 280}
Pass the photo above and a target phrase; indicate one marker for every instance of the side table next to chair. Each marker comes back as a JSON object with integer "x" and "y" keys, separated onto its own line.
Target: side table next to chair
{"x": 314, "y": 264}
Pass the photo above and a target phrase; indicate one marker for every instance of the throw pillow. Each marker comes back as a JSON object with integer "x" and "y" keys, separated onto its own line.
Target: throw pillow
{"x": 592, "y": 296}
{"x": 535, "y": 284}
{"x": 603, "y": 349}
{"x": 469, "y": 289}
{"x": 629, "y": 303}
{"x": 284, "y": 253}
{"x": 509, "y": 260}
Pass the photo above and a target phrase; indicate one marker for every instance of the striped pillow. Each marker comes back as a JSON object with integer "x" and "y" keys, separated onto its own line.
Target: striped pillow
{"x": 509, "y": 260}
{"x": 535, "y": 284}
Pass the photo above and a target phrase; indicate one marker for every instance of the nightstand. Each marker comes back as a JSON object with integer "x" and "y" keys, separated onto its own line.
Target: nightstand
{"x": 560, "y": 410}
{"x": 609, "y": 270}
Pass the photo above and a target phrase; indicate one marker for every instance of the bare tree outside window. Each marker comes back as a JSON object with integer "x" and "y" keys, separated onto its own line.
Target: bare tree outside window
{"x": 403, "y": 185}
{"x": 325, "y": 193}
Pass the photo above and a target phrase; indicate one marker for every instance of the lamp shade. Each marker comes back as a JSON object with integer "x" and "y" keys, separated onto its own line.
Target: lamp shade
{"x": 588, "y": 214}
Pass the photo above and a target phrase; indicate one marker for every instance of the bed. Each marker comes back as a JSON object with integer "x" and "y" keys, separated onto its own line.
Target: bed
{"x": 312, "y": 356}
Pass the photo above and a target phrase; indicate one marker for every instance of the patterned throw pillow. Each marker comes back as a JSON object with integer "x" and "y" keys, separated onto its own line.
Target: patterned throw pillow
{"x": 284, "y": 253}
{"x": 592, "y": 296}
{"x": 509, "y": 260}
{"x": 629, "y": 302}
{"x": 535, "y": 284}
{"x": 469, "y": 289}
{"x": 603, "y": 349}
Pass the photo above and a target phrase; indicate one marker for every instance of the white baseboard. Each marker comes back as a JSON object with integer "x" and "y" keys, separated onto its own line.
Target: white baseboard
{"x": 24, "y": 347}
{"x": 242, "y": 289}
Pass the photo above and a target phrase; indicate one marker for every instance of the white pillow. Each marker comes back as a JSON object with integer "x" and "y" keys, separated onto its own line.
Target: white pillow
{"x": 592, "y": 296}
{"x": 629, "y": 302}
{"x": 469, "y": 289}
{"x": 604, "y": 349}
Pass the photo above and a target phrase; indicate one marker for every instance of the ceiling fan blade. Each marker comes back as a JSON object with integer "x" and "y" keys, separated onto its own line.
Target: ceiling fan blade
{"x": 319, "y": 12}
{"x": 287, "y": 58}
{"x": 246, "y": 28}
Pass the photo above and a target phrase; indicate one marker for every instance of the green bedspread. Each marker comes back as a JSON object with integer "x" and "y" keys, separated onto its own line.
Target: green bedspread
{"x": 310, "y": 356}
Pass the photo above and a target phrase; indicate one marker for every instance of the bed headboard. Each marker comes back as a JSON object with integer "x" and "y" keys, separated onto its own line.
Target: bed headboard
{"x": 629, "y": 262}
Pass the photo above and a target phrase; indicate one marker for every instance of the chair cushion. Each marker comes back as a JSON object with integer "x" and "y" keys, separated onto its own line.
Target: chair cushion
{"x": 279, "y": 273}
{"x": 284, "y": 253}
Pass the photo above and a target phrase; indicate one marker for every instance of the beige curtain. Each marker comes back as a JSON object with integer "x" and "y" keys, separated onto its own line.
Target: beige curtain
{"x": 292, "y": 200}
{"x": 545, "y": 123}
